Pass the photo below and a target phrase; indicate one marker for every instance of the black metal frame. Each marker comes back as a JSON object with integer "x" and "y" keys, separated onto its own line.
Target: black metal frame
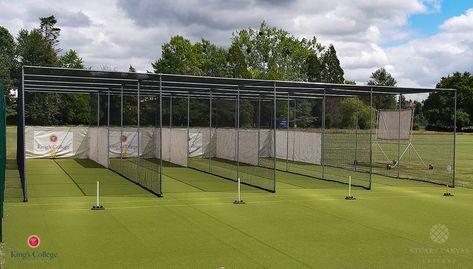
{"x": 63, "y": 80}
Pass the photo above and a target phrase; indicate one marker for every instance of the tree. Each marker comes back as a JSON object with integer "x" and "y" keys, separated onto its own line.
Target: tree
{"x": 237, "y": 62}
{"x": 178, "y": 56}
{"x": 381, "y": 77}
{"x": 7, "y": 71}
{"x": 49, "y": 30}
{"x": 33, "y": 49}
{"x": 271, "y": 53}
{"x": 331, "y": 71}
{"x": 131, "y": 69}
{"x": 439, "y": 106}
{"x": 213, "y": 61}
{"x": 313, "y": 68}
{"x": 74, "y": 108}
{"x": 71, "y": 60}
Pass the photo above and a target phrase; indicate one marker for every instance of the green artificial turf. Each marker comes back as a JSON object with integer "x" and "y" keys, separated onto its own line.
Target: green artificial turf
{"x": 307, "y": 223}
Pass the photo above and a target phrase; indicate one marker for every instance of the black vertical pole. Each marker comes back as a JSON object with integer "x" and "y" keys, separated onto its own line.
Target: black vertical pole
{"x": 274, "y": 136}
{"x": 138, "y": 172}
{"x": 160, "y": 136}
{"x": 454, "y": 139}
{"x": 322, "y": 159}
{"x": 355, "y": 162}
{"x": 188, "y": 124}
{"x": 287, "y": 132}
{"x": 371, "y": 138}
{"x": 22, "y": 140}
{"x": 399, "y": 138}
{"x": 108, "y": 127}
{"x": 259, "y": 129}
{"x": 210, "y": 132}
{"x": 238, "y": 132}
{"x": 121, "y": 129}
{"x": 170, "y": 128}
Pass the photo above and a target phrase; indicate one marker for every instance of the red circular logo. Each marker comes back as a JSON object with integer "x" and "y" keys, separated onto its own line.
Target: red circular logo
{"x": 124, "y": 138}
{"x": 33, "y": 241}
{"x": 53, "y": 138}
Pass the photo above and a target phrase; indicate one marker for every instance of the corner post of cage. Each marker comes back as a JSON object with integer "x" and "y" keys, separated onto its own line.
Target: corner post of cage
{"x": 287, "y": 131}
{"x": 210, "y": 131}
{"x": 454, "y": 138}
{"x": 108, "y": 127}
{"x": 322, "y": 159}
{"x": 160, "y": 194}
{"x": 399, "y": 138}
{"x": 23, "y": 134}
{"x": 274, "y": 134}
{"x": 138, "y": 164}
{"x": 371, "y": 140}
{"x": 237, "y": 119}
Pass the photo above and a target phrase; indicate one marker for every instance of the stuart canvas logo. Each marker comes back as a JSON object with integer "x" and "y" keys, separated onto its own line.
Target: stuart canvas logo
{"x": 53, "y": 144}
{"x": 33, "y": 253}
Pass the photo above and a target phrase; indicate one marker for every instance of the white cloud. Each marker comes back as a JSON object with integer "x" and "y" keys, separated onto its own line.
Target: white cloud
{"x": 461, "y": 24}
{"x": 117, "y": 33}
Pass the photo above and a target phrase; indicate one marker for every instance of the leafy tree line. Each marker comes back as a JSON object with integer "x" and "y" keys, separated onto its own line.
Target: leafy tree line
{"x": 40, "y": 46}
{"x": 262, "y": 53}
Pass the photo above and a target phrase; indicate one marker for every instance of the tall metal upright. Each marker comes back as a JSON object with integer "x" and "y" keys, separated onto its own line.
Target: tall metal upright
{"x": 371, "y": 139}
{"x": 322, "y": 158}
{"x": 237, "y": 142}
{"x": 138, "y": 161}
{"x": 188, "y": 124}
{"x": 287, "y": 131}
{"x": 454, "y": 139}
{"x": 259, "y": 129}
{"x": 355, "y": 162}
{"x": 274, "y": 135}
{"x": 121, "y": 129}
{"x": 98, "y": 119}
{"x": 399, "y": 137}
{"x": 108, "y": 127}
{"x": 160, "y": 135}
{"x": 23, "y": 147}
{"x": 210, "y": 132}
{"x": 294, "y": 123}
{"x": 98, "y": 108}
{"x": 170, "y": 128}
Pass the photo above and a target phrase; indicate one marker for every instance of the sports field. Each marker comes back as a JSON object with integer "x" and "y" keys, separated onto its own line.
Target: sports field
{"x": 305, "y": 224}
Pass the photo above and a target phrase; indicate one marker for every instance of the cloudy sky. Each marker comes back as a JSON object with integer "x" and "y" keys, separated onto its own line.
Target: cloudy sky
{"x": 418, "y": 41}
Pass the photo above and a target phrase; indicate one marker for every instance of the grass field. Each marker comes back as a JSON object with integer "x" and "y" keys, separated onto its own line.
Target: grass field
{"x": 305, "y": 224}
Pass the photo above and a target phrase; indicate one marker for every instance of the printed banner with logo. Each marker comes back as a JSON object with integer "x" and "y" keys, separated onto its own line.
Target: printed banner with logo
{"x": 123, "y": 143}
{"x": 53, "y": 144}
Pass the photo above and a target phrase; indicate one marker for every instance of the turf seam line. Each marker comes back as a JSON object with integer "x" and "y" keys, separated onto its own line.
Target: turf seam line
{"x": 216, "y": 237}
{"x": 251, "y": 236}
{"x": 164, "y": 174}
{"x": 77, "y": 185}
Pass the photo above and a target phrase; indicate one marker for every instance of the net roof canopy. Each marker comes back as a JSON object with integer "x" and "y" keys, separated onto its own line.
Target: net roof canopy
{"x": 63, "y": 80}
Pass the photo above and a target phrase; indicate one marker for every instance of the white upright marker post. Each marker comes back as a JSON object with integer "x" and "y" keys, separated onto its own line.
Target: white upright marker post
{"x": 97, "y": 205}
{"x": 239, "y": 200}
